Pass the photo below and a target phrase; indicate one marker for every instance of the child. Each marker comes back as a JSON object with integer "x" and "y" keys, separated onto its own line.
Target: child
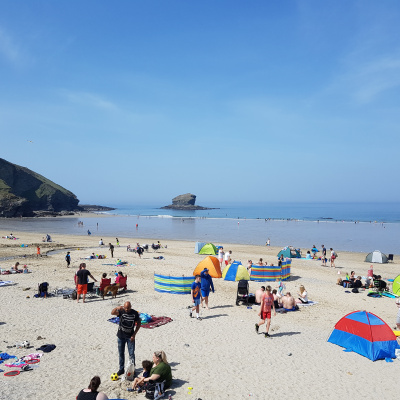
{"x": 147, "y": 365}
{"x": 398, "y": 315}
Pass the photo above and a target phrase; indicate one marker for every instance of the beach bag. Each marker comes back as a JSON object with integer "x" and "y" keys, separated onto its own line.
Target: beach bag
{"x": 74, "y": 295}
{"x": 130, "y": 371}
{"x": 154, "y": 390}
{"x": 145, "y": 318}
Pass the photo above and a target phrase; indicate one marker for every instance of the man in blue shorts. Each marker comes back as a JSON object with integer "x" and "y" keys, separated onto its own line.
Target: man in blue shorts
{"x": 206, "y": 285}
{"x": 196, "y": 297}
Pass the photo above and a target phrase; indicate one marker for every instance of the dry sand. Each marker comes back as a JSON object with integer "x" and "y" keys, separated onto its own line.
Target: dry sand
{"x": 220, "y": 357}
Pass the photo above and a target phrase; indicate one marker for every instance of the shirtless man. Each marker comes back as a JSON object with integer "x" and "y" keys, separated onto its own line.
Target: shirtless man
{"x": 259, "y": 294}
{"x": 288, "y": 302}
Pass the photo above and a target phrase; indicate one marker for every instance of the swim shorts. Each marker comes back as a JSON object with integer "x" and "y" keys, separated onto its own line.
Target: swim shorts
{"x": 205, "y": 293}
{"x": 266, "y": 315}
{"x": 82, "y": 289}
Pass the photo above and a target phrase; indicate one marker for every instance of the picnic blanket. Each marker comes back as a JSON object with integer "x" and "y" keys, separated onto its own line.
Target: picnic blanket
{"x": 154, "y": 323}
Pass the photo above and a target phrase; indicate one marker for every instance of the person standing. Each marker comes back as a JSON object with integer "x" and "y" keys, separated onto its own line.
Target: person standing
{"x": 206, "y": 285}
{"x": 117, "y": 240}
{"x": 196, "y": 297}
{"x": 221, "y": 256}
{"x": 267, "y": 302}
{"x": 111, "y": 249}
{"x": 268, "y": 242}
{"x": 323, "y": 255}
{"x": 129, "y": 325}
{"x": 38, "y": 251}
{"x": 333, "y": 258}
{"x": 82, "y": 278}
{"x": 68, "y": 259}
{"x": 228, "y": 257}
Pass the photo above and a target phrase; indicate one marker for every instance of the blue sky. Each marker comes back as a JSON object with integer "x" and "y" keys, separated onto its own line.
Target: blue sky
{"x": 132, "y": 101}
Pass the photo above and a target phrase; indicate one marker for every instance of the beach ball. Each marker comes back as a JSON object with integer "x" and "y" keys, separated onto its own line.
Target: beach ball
{"x": 114, "y": 376}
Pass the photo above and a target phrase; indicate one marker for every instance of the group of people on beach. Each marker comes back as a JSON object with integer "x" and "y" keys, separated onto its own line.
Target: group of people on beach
{"x": 269, "y": 300}
{"x": 224, "y": 257}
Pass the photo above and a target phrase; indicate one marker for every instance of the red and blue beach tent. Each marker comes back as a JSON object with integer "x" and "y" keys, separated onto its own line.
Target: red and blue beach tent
{"x": 366, "y": 334}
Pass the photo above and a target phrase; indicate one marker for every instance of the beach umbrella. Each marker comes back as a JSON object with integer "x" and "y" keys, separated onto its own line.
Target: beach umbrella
{"x": 235, "y": 272}
{"x": 213, "y": 266}
{"x": 366, "y": 334}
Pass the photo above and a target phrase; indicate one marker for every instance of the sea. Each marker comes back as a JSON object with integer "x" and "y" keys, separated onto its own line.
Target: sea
{"x": 359, "y": 227}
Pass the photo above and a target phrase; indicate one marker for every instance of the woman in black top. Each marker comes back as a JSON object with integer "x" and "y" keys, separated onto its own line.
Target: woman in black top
{"x": 91, "y": 392}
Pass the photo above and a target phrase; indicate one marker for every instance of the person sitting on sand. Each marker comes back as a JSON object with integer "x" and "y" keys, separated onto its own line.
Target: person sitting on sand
{"x": 277, "y": 299}
{"x": 161, "y": 370}
{"x": 139, "y": 381}
{"x": 289, "y": 303}
{"x": 259, "y": 294}
{"x": 260, "y": 262}
{"x": 91, "y": 392}
{"x": 303, "y": 296}
{"x": 309, "y": 256}
{"x": 25, "y": 270}
{"x": 379, "y": 283}
{"x": 352, "y": 276}
{"x": 15, "y": 267}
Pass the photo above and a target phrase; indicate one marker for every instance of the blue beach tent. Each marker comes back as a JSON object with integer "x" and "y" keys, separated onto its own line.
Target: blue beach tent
{"x": 366, "y": 334}
{"x": 198, "y": 246}
{"x": 235, "y": 272}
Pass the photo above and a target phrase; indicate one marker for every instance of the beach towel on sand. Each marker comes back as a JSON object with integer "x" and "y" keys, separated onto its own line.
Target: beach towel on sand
{"x": 310, "y": 303}
{"x": 154, "y": 323}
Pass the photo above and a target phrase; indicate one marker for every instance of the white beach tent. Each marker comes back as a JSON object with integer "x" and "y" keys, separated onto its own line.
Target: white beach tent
{"x": 376, "y": 257}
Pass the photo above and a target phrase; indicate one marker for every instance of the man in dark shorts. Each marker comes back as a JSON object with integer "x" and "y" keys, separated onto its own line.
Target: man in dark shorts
{"x": 68, "y": 259}
{"x": 111, "y": 249}
{"x": 129, "y": 324}
{"x": 82, "y": 280}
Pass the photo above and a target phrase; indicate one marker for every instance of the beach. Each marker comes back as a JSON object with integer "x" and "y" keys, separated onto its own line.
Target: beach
{"x": 219, "y": 357}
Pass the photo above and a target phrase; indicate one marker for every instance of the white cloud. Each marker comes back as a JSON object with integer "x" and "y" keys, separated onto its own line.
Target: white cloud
{"x": 89, "y": 100}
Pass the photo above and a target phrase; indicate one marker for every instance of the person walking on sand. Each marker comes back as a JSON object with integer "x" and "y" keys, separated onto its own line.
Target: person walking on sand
{"x": 221, "y": 256}
{"x": 111, "y": 249}
{"x": 117, "y": 240}
{"x": 129, "y": 325}
{"x": 333, "y": 258}
{"x": 267, "y": 302}
{"x": 228, "y": 257}
{"x": 268, "y": 242}
{"x": 323, "y": 255}
{"x": 196, "y": 297}
{"x": 82, "y": 278}
{"x": 68, "y": 259}
{"x": 206, "y": 284}
{"x": 38, "y": 251}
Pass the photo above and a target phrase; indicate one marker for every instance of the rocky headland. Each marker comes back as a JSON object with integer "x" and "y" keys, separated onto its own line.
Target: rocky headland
{"x": 26, "y": 193}
{"x": 185, "y": 202}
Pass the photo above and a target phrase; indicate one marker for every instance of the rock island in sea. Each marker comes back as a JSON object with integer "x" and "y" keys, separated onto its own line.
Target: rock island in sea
{"x": 185, "y": 202}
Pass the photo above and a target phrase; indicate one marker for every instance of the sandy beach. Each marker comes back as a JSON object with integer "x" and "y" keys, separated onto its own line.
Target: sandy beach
{"x": 219, "y": 357}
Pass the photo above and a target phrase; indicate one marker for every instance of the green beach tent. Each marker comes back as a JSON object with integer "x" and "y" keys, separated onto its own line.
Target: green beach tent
{"x": 396, "y": 286}
{"x": 209, "y": 249}
{"x": 289, "y": 252}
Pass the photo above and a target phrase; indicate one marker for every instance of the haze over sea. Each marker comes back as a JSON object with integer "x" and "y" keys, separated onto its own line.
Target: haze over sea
{"x": 360, "y": 227}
